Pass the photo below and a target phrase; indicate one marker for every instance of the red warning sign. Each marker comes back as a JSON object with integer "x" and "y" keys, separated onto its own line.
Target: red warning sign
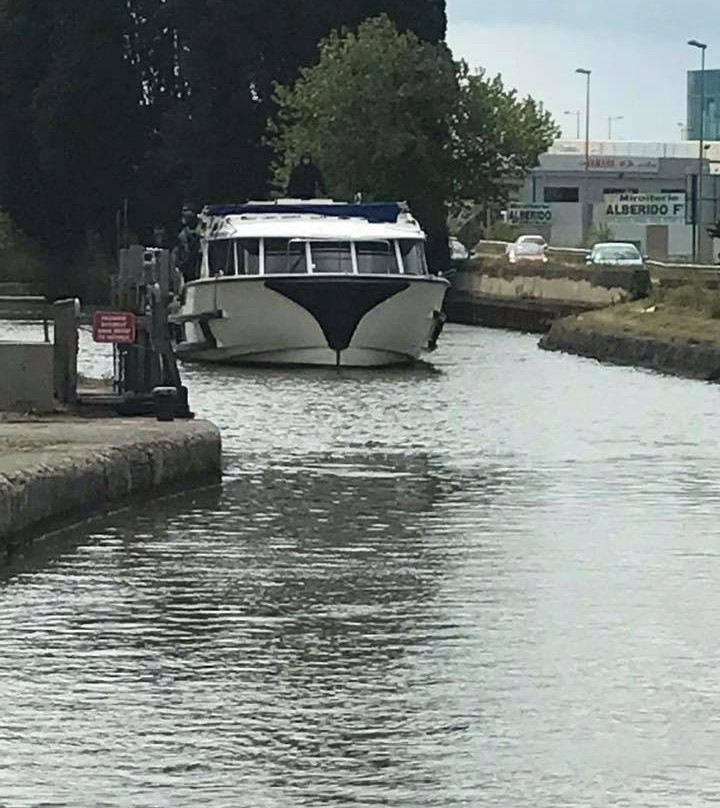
{"x": 114, "y": 326}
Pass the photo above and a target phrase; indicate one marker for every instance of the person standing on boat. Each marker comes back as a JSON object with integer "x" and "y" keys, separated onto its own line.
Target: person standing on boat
{"x": 306, "y": 180}
{"x": 188, "y": 250}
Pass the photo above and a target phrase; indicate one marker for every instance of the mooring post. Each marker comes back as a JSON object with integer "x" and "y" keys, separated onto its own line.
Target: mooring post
{"x": 66, "y": 317}
{"x": 161, "y": 321}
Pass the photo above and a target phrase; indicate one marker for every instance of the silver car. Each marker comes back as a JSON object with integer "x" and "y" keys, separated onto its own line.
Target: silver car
{"x": 615, "y": 253}
{"x": 527, "y": 248}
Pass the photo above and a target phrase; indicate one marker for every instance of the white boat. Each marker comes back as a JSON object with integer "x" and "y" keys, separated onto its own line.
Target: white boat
{"x": 311, "y": 283}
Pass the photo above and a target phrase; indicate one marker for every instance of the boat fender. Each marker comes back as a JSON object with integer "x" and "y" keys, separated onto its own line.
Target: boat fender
{"x": 439, "y": 320}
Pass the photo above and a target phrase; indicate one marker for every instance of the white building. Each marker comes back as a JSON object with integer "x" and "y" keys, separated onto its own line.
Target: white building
{"x": 639, "y": 192}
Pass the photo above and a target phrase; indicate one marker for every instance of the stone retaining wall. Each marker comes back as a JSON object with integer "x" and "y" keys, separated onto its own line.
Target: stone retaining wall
{"x": 587, "y": 286}
{"x": 26, "y": 381}
{"x": 67, "y": 469}
{"x": 530, "y": 296}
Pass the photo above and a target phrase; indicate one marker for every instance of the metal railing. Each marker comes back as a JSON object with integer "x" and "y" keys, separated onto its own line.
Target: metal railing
{"x": 29, "y": 306}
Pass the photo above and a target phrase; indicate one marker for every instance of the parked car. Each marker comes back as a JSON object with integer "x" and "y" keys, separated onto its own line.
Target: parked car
{"x": 527, "y": 248}
{"x": 615, "y": 253}
{"x": 458, "y": 251}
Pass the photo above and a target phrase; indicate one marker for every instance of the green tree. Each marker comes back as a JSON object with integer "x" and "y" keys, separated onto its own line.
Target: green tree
{"x": 210, "y": 67}
{"x": 376, "y": 111}
{"x": 152, "y": 101}
{"x": 392, "y": 117}
{"x": 496, "y": 137}
{"x": 69, "y": 132}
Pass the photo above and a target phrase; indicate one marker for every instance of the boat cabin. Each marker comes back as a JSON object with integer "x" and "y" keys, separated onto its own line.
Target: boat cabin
{"x": 310, "y": 238}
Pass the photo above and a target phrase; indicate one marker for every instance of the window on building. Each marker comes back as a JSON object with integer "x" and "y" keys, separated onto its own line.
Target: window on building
{"x": 562, "y": 194}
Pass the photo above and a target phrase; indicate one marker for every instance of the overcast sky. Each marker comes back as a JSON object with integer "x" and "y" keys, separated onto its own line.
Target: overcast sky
{"x": 635, "y": 48}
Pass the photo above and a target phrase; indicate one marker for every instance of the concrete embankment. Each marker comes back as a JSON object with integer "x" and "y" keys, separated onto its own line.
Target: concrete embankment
{"x": 664, "y": 339}
{"x": 531, "y": 296}
{"x": 62, "y": 469}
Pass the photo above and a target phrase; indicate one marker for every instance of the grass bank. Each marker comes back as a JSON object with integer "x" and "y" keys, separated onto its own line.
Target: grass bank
{"x": 676, "y": 332}
{"x": 687, "y": 313}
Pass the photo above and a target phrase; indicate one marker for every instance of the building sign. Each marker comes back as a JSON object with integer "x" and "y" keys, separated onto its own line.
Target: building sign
{"x": 622, "y": 165}
{"x": 600, "y": 164}
{"x": 114, "y": 326}
{"x": 645, "y": 208}
{"x": 530, "y": 213}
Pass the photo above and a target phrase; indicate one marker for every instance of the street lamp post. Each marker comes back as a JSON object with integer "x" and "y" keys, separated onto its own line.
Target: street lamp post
{"x": 577, "y": 114}
{"x": 585, "y": 209}
{"x": 698, "y": 217}
{"x": 611, "y": 120}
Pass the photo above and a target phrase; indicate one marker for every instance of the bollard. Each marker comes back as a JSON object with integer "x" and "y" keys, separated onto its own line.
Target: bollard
{"x": 66, "y": 314}
{"x": 182, "y": 404}
{"x": 164, "y": 401}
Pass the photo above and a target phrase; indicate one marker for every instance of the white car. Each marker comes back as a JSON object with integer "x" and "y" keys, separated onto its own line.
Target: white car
{"x": 615, "y": 253}
{"x": 527, "y": 248}
{"x": 458, "y": 251}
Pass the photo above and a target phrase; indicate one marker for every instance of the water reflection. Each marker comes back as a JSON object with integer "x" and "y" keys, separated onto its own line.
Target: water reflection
{"x": 292, "y": 604}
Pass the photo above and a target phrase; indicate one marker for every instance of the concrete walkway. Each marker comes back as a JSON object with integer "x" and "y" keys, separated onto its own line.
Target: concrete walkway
{"x": 66, "y": 468}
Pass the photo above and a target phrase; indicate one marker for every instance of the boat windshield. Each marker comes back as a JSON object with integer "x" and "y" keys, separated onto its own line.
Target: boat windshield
{"x": 283, "y": 256}
{"x": 221, "y": 257}
{"x": 413, "y": 256}
{"x": 331, "y": 256}
{"x": 296, "y": 263}
{"x": 234, "y": 257}
{"x": 376, "y": 258}
{"x": 248, "y": 256}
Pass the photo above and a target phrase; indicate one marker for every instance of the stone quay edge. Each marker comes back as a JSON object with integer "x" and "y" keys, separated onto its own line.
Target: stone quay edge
{"x": 63, "y": 469}
{"x": 686, "y": 357}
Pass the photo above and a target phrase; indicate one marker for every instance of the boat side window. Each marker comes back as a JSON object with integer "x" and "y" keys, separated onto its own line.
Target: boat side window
{"x": 248, "y": 256}
{"x": 413, "y": 255}
{"x": 285, "y": 256}
{"x": 331, "y": 256}
{"x": 296, "y": 258}
{"x": 276, "y": 256}
{"x": 376, "y": 258}
{"x": 221, "y": 257}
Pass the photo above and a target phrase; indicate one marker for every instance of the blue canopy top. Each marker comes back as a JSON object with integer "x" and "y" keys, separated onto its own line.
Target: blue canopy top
{"x": 376, "y": 212}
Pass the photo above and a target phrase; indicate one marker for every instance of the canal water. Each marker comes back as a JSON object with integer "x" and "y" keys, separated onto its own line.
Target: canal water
{"x": 493, "y": 581}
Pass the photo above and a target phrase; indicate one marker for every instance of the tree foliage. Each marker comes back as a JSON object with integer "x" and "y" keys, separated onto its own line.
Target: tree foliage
{"x": 496, "y": 136}
{"x": 375, "y": 111}
{"x": 209, "y": 68}
{"x": 70, "y": 113}
{"x": 155, "y": 102}
{"x": 390, "y": 116}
